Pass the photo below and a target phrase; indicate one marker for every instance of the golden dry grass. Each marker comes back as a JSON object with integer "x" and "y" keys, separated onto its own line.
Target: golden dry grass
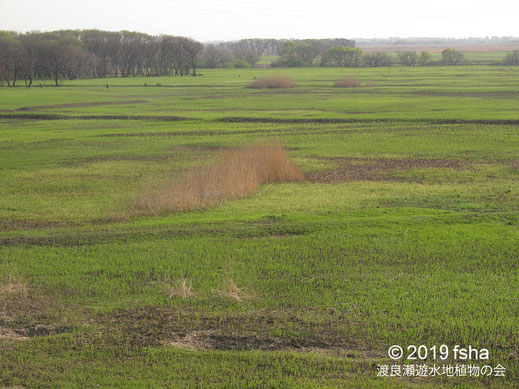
{"x": 12, "y": 284}
{"x": 272, "y": 82}
{"x": 181, "y": 288}
{"x": 232, "y": 292}
{"x": 235, "y": 174}
{"x": 348, "y": 82}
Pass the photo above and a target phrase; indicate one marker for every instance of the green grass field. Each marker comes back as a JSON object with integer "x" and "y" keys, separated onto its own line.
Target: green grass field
{"x": 405, "y": 232}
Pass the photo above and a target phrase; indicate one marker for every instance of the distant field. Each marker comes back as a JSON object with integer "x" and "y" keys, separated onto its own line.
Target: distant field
{"x": 483, "y": 48}
{"x": 405, "y": 230}
{"x": 475, "y": 54}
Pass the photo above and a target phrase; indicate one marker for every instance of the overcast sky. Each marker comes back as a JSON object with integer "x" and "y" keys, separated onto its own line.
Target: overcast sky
{"x": 208, "y": 20}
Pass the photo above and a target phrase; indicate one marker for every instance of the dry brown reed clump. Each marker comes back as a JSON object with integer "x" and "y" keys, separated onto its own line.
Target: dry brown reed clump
{"x": 236, "y": 173}
{"x": 515, "y": 164}
{"x": 348, "y": 82}
{"x": 272, "y": 82}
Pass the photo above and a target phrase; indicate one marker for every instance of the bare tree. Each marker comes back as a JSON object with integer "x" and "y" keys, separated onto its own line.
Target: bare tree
{"x": 14, "y": 58}
{"x": 424, "y": 59}
{"x": 407, "y": 58}
{"x": 193, "y": 49}
{"x": 215, "y": 56}
{"x": 512, "y": 58}
{"x": 249, "y": 50}
{"x": 308, "y": 51}
{"x": 452, "y": 57}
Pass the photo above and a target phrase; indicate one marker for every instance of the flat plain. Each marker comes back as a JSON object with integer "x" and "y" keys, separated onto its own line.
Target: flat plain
{"x": 404, "y": 232}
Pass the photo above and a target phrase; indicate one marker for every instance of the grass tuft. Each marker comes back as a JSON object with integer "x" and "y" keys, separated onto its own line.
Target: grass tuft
{"x": 182, "y": 288}
{"x": 232, "y": 292}
{"x": 12, "y": 284}
{"x": 235, "y": 174}
{"x": 272, "y": 82}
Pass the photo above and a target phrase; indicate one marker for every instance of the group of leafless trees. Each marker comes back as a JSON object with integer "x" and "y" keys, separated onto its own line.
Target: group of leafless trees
{"x": 247, "y": 52}
{"x": 309, "y": 52}
{"x": 242, "y": 53}
{"x": 76, "y": 54}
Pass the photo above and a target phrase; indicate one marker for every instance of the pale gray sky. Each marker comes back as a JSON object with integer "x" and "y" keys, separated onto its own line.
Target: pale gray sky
{"x": 234, "y": 19}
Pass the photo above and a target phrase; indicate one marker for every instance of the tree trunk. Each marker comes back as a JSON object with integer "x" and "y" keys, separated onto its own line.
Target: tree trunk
{"x": 15, "y": 74}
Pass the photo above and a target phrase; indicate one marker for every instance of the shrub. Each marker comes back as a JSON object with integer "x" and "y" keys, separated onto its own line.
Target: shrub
{"x": 348, "y": 82}
{"x": 272, "y": 82}
{"x": 452, "y": 57}
{"x": 235, "y": 174}
{"x": 240, "y": 64}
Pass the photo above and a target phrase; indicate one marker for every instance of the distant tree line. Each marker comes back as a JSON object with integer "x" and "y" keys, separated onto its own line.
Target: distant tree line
{"x": 73, "y": 54}
{"x": 295, "y": 54}
{"x": 302, "y": 53}
{"x": 76, "y": 54}
{"x": 323, "y": 52}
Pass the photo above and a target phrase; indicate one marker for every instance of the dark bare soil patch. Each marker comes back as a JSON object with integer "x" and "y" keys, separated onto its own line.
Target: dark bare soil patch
{"x": 174, "y": 153}
{"x": 246, "y": 230}
{"x": 482, "y": 94}
{"x": 109, "y": 158}
{"x": 156, "y": 326}
{"x": 16, "y": 225}
{"x": 244, "y": 119}
{"x": 377, "y": 169}
{"x": 267, "y": 133}
{"x": 192, "y": 133}
{"x": 24, "y": 333}
{"x": 78, "y": 105}
{"x": 197, "y": 147}
{"x": 33, "y": 312}
{"x": 50, "y": 116}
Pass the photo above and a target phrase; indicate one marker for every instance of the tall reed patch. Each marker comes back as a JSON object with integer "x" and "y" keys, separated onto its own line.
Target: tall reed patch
{"x": 348, "y": 82}
{"x": 236, "y": 173}
{"x": 272, "y": 82}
